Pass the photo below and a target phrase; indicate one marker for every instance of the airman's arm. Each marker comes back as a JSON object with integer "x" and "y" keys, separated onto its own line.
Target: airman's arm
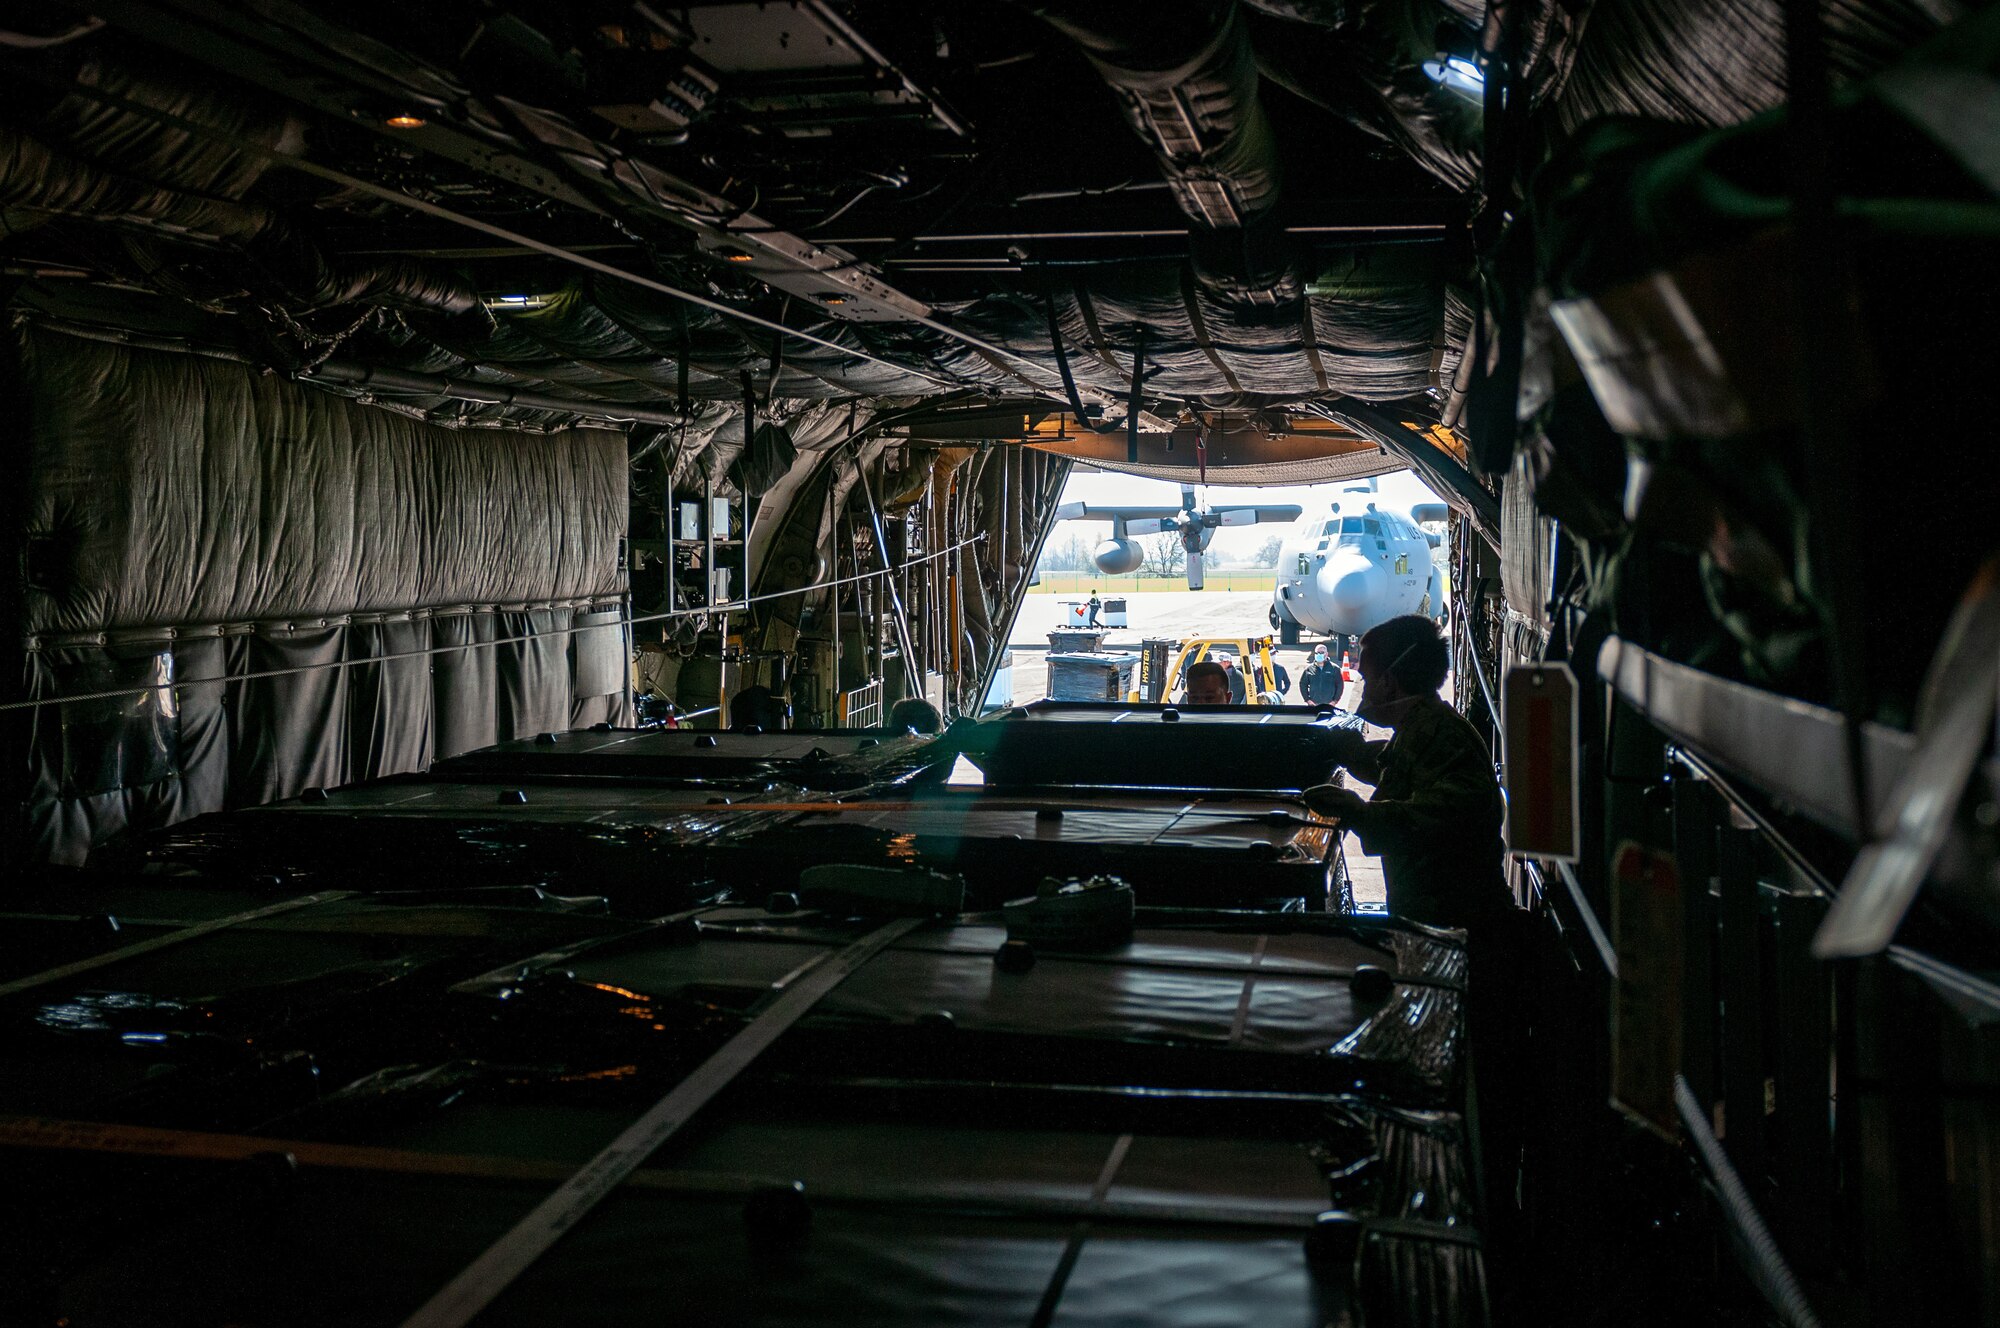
{"x": 1450, "y": 785}
{"x": 1362, "y": 758}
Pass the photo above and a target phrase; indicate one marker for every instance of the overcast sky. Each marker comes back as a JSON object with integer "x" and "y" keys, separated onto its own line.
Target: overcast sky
{"x": 1399, "y": 489}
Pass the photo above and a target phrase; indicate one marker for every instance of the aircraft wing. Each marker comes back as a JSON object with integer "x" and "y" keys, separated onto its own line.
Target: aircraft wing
{"x": 1099, "y": 512}
{"x": 1250, "y": 516}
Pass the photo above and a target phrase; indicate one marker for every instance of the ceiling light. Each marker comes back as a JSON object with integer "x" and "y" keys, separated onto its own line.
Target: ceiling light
{"x": 512, "y": 302}
{"x": 405, "y": 122}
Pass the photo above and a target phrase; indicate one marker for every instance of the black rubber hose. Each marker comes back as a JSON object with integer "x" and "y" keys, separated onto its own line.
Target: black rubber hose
{"x": 1083, "y": 421}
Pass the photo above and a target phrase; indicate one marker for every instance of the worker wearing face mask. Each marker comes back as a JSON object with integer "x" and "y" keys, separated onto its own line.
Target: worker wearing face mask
{"x": 1436, "y": 814}
{"x": 1435, "y": 822}
{"x": 1321, "y": 683}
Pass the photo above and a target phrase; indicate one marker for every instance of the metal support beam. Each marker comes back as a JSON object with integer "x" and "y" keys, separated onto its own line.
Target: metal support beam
{"x": 905, "y": 642}
{"x": 394, "y": 381}
{"x": 273, "y": 43}
{"x": 250, "y": 147}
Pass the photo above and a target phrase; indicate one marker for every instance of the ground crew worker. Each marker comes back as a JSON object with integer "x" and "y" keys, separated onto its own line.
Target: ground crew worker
{"x": 1207, "y": 684}
{"x": 913, "y": 714}
{"x": 1094, "y": 605}
{"x": 1238, "y": 693}
{"x": 1436, "y": 813}
{"x": 1321, "y": 683}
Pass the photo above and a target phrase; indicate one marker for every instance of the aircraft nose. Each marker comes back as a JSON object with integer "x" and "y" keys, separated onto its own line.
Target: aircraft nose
{"x": 1351, "y": 584}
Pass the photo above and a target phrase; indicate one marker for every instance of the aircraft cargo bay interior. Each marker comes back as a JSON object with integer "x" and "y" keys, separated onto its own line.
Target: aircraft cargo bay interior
{"x": 1171, "y": 663}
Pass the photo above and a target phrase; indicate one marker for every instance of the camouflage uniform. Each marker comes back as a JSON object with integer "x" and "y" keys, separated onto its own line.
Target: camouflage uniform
{"x": 1434, "y": 819}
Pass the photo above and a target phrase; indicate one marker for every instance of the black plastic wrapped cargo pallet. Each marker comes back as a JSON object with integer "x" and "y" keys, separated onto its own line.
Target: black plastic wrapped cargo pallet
{"x": 460, "y": 1301}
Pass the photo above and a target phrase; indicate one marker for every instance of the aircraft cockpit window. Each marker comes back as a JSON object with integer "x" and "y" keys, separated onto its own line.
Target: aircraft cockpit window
{"x": 1332, "y": 528}
{"x": 1373, "y": 527}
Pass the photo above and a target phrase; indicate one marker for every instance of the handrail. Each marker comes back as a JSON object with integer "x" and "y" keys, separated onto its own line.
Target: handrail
{"x": 1722, "y": 784}
{"x": 1975, "y": 997}
{"x": 1606, "y": 952}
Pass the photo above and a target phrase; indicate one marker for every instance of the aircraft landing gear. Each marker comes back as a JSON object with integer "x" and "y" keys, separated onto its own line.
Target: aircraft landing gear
{"x": 1288, "y": 632}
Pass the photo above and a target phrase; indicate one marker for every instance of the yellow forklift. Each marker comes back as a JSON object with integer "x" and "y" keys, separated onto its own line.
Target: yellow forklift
{"x": 1163, "y": 662}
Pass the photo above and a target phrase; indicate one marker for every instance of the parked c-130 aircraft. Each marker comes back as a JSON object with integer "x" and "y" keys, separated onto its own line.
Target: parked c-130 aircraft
{"x": 1193, "y": 526}
{"x": 1342, "y": 573}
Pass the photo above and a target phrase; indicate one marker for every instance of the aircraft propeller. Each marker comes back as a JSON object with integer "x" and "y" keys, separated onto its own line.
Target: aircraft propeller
{"x": 1193, "y": 525}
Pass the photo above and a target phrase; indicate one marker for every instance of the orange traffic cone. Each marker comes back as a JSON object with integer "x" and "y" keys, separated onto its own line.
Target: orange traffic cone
{"x": 1346, "y": 668}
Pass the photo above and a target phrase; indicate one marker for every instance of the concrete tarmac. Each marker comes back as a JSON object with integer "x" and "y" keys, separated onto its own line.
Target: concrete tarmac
{"x": 1182, "y": 613}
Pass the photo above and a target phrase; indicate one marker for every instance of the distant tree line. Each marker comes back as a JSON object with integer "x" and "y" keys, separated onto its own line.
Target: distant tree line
{"x": 1068, "y": 553}
{"x": 1164, "y": 555}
